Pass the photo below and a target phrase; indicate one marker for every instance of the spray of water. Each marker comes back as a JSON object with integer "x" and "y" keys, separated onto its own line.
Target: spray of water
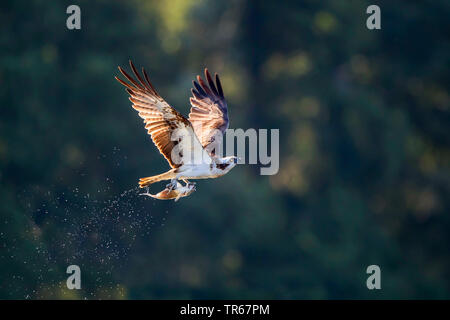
{"x": 72, "y": 227}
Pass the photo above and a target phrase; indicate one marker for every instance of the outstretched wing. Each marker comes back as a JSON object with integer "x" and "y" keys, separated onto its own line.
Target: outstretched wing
{"x": 209, "y": 111}
{"x": 166, "y": 126}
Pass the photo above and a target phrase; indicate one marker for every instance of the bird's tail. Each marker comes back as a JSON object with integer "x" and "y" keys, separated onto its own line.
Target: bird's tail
{"x": 145, "y": 182}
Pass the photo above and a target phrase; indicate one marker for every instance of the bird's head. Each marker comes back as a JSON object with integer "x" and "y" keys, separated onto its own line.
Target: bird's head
{"x": 229, "y": 163}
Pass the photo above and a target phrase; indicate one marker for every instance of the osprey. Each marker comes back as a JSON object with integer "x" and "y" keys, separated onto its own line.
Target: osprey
{"x": 189, "y": 145}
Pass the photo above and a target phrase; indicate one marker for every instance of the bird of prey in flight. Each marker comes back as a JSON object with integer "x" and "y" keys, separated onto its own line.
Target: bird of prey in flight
{"x": 189, "y": 145}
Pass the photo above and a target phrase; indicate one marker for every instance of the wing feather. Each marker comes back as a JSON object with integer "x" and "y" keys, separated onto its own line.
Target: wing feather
{"x": 209, "y": 110}
{"x": 161, "y": 120}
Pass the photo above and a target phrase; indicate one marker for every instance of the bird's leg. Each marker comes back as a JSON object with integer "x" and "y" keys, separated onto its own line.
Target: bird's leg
{"x": 188, "y": 183}
{"x": 172, "y": 185}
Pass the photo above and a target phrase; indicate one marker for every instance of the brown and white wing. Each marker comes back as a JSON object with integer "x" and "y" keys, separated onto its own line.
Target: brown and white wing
{"x": 170, "y": 131}
{"x": 209, "y": 111}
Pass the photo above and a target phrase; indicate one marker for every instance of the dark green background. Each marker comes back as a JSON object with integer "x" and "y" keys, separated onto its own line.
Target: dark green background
{"x": 364, "y": 151}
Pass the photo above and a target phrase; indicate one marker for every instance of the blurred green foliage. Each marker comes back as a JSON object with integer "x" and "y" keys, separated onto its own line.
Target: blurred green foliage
{"x": 364, "y": 175}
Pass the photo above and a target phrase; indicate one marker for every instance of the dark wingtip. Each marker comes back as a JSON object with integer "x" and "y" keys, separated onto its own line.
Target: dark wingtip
{"x": 199, "y": 89}
{"x": 118, "y": 79}
{"x": 131, "y": 65}
{"x": 148, "y": 81}
{"x": 121, "y": 70}
{"x": 219, "y": 85}
{"x": 195, "y": 93}
{"x": 211, "y": 82}
{"x": 207, "y": 75}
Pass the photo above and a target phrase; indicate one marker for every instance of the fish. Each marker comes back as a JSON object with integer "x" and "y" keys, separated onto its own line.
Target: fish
{"x": 169, "y": 193}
